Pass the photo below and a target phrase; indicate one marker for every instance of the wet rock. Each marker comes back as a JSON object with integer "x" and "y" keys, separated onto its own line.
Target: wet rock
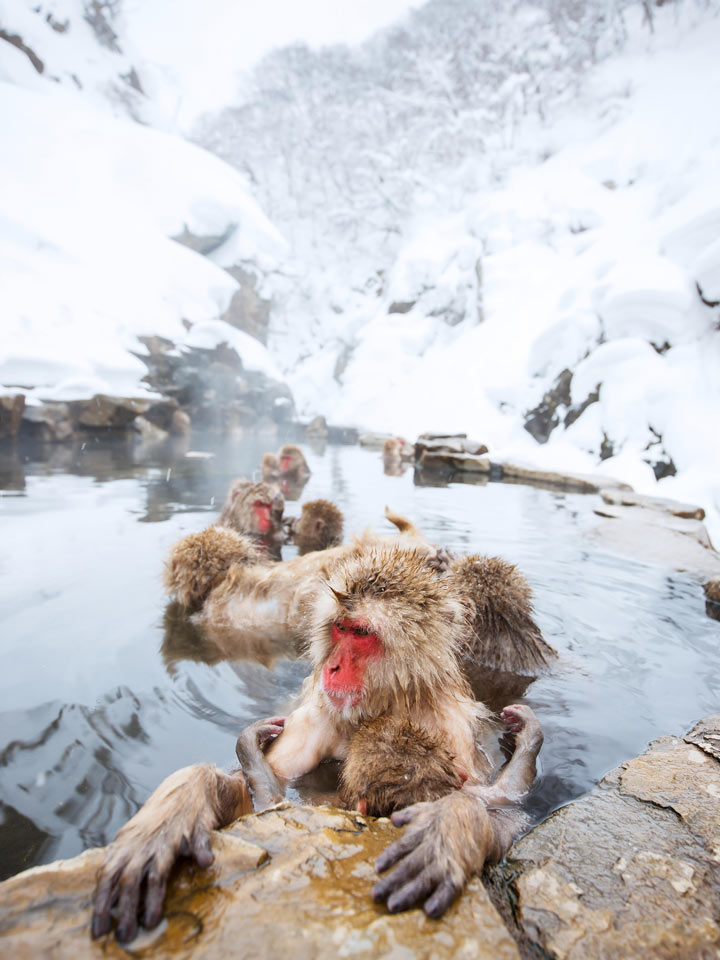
{"x": 149, "y": 434}
{"x": 658, "y": 538}
{"x": 47, "y": 423}
{"x": 578, "y": 482}
{"x": 102, "y": 412}
{"x": 317, "y": 428}
{"x": 287, "y": 882}
{"x": 630, "y": 870}
{"x": 452, "y": 445}
{"x": 11, "y": 411}
{"x": 627, "y": 498}
{"x": 454, "y": 462}
{"x": 374, "y": 441}
{"x": 217, "y": 392}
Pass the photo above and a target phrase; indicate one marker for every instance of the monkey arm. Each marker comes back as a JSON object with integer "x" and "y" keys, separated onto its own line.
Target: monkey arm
{"x": 517, "y": 776}
{"x": 444, "y": 843}
{"x": 309, "y": 737}
{"x": 265, "y": 786}
{"x": 176, "y": 820}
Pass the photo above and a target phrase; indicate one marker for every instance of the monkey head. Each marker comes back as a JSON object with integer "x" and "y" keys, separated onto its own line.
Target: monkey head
{"x": 391, "y": 763}
{"x": 292, "y": 460}
{"x": 319, "y": 526}
{"x": 270, "y": 468}
{"x": 253, "y": 508}
{"x": 383, "y": 636}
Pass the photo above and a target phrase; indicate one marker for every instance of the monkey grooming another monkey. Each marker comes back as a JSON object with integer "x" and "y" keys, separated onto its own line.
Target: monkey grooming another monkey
{"x": 319, "y": 526}
{"x": 383, "y": 637}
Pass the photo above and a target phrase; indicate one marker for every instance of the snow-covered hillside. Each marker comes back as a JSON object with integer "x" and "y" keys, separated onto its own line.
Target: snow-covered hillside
{"x": 497, "y": 217}
{"x": 89, "y": 203}
{"x": 585, "y": 240}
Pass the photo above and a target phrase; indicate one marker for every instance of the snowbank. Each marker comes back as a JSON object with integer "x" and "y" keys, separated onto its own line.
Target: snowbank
{"x": 592, "y": 259}
{"x": 89, "y": 204}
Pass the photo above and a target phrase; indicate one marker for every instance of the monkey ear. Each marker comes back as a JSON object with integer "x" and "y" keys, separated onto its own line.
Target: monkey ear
{"x": 361, "y": 806}
{"x": 319, "y": 525}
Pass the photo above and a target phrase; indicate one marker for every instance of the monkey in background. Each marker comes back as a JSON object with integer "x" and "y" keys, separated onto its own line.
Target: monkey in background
{"x": 288, "y": 468}
{"x": 256, "y": 510}
{"x": 397, "y": 455}
{"x": 382, "y": 633}
{"x": 319, "y": 526}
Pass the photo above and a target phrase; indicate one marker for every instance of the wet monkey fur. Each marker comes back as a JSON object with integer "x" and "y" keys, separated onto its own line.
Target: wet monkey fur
{"x": 319, "y": 526}
{"x": 384, "y": 638}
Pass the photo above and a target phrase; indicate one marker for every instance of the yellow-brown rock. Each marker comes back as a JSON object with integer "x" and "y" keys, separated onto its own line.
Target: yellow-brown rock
{"x": 290, "y": 882}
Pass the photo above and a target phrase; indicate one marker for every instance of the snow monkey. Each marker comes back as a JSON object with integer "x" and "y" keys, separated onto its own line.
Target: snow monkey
{"x": 319, "y": 526}
{"x": 256, "y": 510}
{"x": 288, "y": 468}
{"x": 383, "y": 638}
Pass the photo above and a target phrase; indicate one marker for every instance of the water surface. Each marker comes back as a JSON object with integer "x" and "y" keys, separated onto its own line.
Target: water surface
{"x": 92, "y": 716}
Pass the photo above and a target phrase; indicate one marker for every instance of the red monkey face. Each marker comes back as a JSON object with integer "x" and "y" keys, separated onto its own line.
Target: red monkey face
{"x": 262, "y": 515}
{"x": 285, "y": 464}
{"x": 354, "y": 645}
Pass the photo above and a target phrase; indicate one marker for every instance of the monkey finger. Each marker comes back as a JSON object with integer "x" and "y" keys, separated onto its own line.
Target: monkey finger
{"x": 104, "y": 899}
{"x": 436, "y": 905}
{"x": 408, "y": 895}
{"x": 154, "y": 897}
{"x": 408, "y": 868}
{"x": 127, "y": 908}
{"x": 201, "y": 849}
{"x": 406, "y": 815}
{"x": 407, "y": 842}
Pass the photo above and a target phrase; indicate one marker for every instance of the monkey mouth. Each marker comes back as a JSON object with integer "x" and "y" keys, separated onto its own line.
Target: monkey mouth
{"x": 341, "y": 700}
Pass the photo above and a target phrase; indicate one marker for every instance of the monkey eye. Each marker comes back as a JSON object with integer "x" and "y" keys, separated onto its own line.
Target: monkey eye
{"x": 361, "y": 632}
{"x": 340, "y": 626}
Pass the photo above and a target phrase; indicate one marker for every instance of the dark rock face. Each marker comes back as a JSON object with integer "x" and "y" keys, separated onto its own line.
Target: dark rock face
{"x": 11, "y": 411}
{"x": 217, "y": 392}
{"x": 248, "y": 310}
{"x": 630, "y": 870}
{"x": 542, "y": 420}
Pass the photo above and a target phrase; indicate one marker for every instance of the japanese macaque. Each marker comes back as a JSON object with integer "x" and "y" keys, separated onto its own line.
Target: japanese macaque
{"x": 270, "y": 467}
{"x": 201, "y": 562}
{"x": 319, "y": 526}
{"x": 292, "y": 461}
{"x": 391, "y": 764}
{"x": 500, "y": 631}
{"x": 384, "y": 638}
{"x": 256, "y": 510}
{"x": 397, "y": 454}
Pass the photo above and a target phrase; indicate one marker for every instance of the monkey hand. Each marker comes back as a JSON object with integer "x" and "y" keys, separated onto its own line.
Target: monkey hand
{"x": 258, "y": 737}
{"x": 445, "y": 842}
{"x": 175, "y": 821}
{"x": 440, "y": 560}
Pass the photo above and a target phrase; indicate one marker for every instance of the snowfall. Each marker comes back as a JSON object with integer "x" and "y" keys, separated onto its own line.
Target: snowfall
{"x": 603, "y": 258}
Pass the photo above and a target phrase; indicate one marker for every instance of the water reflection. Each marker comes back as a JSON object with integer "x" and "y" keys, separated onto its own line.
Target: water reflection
{"x": 106, "y": 689}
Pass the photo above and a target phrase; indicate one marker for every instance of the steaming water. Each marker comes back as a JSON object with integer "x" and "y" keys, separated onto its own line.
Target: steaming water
{"x": 91, "y": 718}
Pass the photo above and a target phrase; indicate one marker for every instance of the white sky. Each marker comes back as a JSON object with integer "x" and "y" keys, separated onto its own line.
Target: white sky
{"x": 201, "y": 44}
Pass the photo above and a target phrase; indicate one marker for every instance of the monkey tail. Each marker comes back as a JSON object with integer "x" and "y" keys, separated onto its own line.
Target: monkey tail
{"x": 402, "y": 523}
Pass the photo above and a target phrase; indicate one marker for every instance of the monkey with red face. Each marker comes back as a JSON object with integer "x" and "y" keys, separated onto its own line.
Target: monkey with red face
{"x": 256, "y": 510}
{"x": 383, "y": 635}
